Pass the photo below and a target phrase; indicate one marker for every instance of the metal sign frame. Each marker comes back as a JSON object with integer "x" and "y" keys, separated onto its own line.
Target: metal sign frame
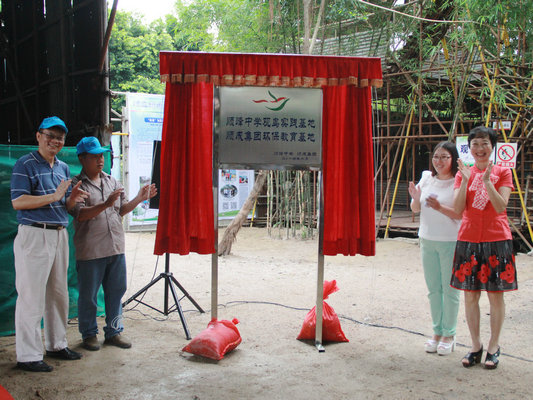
{"x": 214, "y": 256}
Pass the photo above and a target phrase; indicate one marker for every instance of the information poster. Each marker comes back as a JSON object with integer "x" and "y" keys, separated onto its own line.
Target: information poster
{"x": 145, "y": 116}
{"x": 234, "y": 186}
{"x": 461, "y": 142}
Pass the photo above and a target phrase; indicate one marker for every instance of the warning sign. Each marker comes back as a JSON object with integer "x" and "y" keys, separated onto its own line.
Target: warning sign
{"x": 506, "y": 155}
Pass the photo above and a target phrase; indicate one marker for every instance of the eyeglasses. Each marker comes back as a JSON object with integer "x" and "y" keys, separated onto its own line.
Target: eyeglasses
{"x": 51, "y": 137}
{"x": 441, "y": 158}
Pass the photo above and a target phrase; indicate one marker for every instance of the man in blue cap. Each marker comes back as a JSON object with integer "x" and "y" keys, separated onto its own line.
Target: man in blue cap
{"x": 100, "y": 247}
{"x": 41, "y": 193}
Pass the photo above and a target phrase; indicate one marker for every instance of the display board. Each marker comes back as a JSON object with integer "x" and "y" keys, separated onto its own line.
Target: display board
{"x": 145, "y": 121}
{"x": 264, "y": 128}
{"x": 234, "y": 186}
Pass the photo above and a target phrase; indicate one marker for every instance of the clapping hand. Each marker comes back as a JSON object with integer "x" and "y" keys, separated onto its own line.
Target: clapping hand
{"x": 62, "y": 189}
{"x": 77, "y": 195}
{"x": 414, "y": 191}
{"x": 463, "y": 169}
{"x": 486, "y": 174}
{"x": 115, "y": 194}
{"x": 147, "y": 192}
{"x": 432, "y": 202}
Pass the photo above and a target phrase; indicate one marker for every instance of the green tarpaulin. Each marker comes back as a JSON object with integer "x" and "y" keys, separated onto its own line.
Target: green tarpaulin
{"x": 8, "y": 220}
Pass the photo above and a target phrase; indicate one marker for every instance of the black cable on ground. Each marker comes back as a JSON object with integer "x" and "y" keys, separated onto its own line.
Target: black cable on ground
{"x": 239, "y": 302}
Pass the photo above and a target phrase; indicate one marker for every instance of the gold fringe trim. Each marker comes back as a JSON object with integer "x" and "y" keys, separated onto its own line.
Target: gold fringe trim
{"x": 262, "y": 80}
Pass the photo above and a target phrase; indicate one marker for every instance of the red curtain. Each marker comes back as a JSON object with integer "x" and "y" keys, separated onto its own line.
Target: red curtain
{"x": 186, "y": 216}
{"x": 348, "y": 171}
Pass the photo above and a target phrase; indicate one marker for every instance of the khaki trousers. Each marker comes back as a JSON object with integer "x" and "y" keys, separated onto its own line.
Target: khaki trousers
{"x": 41, "y": 264}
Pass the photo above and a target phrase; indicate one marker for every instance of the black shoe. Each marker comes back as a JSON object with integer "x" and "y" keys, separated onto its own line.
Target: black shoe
{"x": 493, "y": 358}
{"x": 34, "y": 366}
{"x": 472, "y": 358}
{"x": 64, "y": 354}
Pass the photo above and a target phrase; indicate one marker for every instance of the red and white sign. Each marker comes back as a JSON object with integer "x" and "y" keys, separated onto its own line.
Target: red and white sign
{"x": 506, "y": 155}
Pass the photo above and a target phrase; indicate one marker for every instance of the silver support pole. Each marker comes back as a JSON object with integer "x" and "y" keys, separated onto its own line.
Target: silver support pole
{"x": 126, "y": 157}
{"x": 320, "y": 269}
{"x": 214, "y": 256}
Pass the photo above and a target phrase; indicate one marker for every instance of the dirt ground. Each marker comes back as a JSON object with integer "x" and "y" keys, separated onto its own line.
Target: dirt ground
{"x": 269, "y": 284}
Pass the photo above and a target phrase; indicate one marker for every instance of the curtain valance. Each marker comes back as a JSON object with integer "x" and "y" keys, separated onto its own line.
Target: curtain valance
{"x": 287, "y": 70}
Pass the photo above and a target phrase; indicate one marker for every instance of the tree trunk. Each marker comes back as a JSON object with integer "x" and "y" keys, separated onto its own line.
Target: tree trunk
{"x": 317, "y": 25}
{"x": 224, "y": 248}
{"x": 307, "y": 25}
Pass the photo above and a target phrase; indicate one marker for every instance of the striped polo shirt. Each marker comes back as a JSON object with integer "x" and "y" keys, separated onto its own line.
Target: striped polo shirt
{"x": 32, "y": 175}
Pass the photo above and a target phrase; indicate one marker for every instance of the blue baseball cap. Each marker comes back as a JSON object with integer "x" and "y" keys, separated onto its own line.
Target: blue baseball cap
{"x": 50, "y": 122}
{"x": 90, "y": 145}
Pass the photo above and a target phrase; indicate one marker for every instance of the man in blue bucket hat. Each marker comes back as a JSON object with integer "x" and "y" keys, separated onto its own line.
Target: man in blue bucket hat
{"x": 100, "y": 248}
{"x": 41, "y": 193}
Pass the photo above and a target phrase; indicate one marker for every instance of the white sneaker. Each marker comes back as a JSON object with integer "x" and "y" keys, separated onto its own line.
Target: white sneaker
{"x": 445, "y": 348}
{"x": 431, "y": 346}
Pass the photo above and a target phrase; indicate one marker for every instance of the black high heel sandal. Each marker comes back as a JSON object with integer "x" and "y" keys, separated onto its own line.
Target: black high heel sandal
{"x": 473, "y": 358}
{"x": 492, "y": 358}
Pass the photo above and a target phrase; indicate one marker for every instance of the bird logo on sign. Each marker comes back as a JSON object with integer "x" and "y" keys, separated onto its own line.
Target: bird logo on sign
{"x": 275, "y": 101}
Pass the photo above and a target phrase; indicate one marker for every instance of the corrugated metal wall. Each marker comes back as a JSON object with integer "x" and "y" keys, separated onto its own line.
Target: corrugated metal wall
{"x": 49, "y": 56}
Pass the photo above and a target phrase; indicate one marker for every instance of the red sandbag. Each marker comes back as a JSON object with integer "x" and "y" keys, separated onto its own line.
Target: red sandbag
{"x": 4, "y": 394}
{"x": 331, "y": 326}
{"x": 216, "y": 340}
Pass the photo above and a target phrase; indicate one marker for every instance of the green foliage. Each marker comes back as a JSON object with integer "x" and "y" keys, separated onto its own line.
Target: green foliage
{"x": 237, "y": 26}
{"x": 492, "y": 19}
{"x": 134, "y": 55}
{"x": 203, "y": 25}
{"x": 276, "y": 26}
{"x": 440, "y": 100}
{"x": 193, "y": 24}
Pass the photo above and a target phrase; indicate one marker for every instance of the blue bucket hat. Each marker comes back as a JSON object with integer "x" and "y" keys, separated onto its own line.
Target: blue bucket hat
{"x": 90, "y": 145}
{"x": 50, "y": 122}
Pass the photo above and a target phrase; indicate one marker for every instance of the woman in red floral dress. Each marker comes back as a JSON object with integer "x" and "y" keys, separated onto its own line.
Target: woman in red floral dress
{"x": 484, "y": 259}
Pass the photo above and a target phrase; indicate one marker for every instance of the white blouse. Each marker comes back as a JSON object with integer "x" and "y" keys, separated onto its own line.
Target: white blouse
{"x": 434, "y": 225}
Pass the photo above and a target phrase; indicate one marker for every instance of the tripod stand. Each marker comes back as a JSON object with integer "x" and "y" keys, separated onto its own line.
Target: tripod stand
{"x": 170, "y": 281}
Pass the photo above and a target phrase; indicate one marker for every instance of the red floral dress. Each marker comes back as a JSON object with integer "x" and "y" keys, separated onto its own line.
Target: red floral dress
{"x": 484, "y": 258}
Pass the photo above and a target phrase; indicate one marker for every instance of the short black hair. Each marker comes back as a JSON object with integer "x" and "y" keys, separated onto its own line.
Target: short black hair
{"x": 450, "y": 148}
{"x": 483, "y": 132}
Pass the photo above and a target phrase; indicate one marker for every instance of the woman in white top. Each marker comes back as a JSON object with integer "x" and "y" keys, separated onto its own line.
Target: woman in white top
{"x": 439, "y": 225}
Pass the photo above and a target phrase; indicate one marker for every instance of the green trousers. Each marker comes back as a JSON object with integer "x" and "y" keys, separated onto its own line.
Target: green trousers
{"x": 437, "y": 259}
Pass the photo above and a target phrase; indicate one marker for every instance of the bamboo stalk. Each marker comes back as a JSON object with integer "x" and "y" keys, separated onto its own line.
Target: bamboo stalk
{"x": 399, "y": 171}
